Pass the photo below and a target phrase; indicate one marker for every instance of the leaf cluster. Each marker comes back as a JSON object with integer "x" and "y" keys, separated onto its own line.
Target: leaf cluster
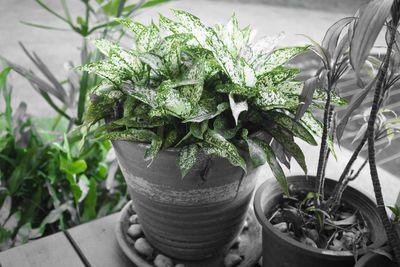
{"x": 203, "y": 89}
{"x": 47, "y": 183}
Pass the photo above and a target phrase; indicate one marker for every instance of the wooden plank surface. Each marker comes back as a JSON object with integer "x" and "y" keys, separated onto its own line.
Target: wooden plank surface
{"x": 98, "y": 243}
{"x": 51, "y": 251}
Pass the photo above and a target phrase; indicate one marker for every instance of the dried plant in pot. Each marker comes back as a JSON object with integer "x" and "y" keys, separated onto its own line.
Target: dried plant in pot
{"x": 325, "y": 222}
{"x": 191, "y": 111}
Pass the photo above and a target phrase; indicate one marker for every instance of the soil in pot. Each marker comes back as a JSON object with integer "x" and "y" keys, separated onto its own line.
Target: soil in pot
{"x": 289, "y": 241}
{"x": 193, "y": 218}
{"x": 343, "y": 230}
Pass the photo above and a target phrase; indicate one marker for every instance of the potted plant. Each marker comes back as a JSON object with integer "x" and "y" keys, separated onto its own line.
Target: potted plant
{"x": 325, "y": 222}
{"x": 191, "y": 113}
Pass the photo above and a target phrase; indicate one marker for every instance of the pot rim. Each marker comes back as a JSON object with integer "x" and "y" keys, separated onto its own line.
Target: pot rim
{"x": 309, "y": 249}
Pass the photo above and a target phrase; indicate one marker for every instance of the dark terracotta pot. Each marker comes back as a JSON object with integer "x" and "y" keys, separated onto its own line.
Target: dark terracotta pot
{"x": 280, "y": 250}
{"x": 372, "y": 259}
{"x": 188, "y": 219}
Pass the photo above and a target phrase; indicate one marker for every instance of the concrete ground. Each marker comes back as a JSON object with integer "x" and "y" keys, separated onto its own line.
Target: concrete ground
{"x": 57, "y": 47}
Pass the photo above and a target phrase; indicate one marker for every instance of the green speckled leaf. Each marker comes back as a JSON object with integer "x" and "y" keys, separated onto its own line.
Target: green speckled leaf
{"x": 138, "y": 135}
{"x": 290, "y": 146}
{"x": 221, "y": 126}
{"x": 155, "y": 146}
{"x": 237, "y": 90}
{"x": 172, "y": 100}
{"x": 141, "y": 93}
{"x": 278, "y": 75}
{"x": 270, "y": 98}
{"x": 187, "y": 158}
{"x": 101, "y": 102}
{"x": 206, "y": 110}
{"x": 118, "y": 56}
{"x": 315, "y": 126}
{"x": 128, "y": 23}
{"x": 135, "y": 135}
{"x": 138, "y": 121}
{"x": 171, "y": 137}
{"x": 148, "y": 39}
{"x": 320, "y": 97}
{"x": 171, "y": 26}
{"x": 293, "y": 126}
{"x": 248, "y": 74}
{"x": 277, "y": 58}
{"x": 152, "y": 60}
{"x": 260, "y": 153}
{"x": 198, "y": 129}
{"x": 208, "y": 39}
{"x": 106, "y": 70}
{"x": 216, "y": 144}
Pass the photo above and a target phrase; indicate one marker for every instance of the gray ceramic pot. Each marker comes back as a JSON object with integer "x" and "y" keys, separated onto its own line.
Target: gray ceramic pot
{"x": 280, "y": 250}
{"x": 188, "y": 219}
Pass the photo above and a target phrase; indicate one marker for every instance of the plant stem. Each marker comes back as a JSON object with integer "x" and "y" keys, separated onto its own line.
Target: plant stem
{"x": 390, "y": 231}
{"x": 324, "y": 146}
{"x": 350, "y": 163}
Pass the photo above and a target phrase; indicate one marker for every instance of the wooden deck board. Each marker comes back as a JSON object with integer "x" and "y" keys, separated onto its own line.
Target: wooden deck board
{"x": 51, "y": 251}
{"x": 98, "y": 243}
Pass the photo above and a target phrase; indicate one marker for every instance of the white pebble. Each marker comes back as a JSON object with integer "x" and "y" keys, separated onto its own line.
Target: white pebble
{"x": 134, "y": 219}
{"x": 163, "y": 261}
{"x": 143, "y": 247}
{"x": 232, "y": 260}
{"x": 135, "y": 230}
{"x": 180, "y": 265}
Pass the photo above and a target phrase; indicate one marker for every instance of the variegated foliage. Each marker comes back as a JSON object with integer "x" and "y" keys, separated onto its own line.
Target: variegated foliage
{"x": 203, "y": 89}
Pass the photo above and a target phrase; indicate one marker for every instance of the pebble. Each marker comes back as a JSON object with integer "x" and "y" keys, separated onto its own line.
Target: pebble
{"x": 143, "y": 247}
{"x": 135, "y": 230}
{"x": 134, "y": 219}
{"x": 232, "y": 260}
{"x": 180, "y": 265}
{"x": 163, "y": 261}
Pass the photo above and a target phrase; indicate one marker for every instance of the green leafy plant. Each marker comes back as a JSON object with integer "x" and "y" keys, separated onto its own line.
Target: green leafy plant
{"x": 48, "y": 183}
{"x": 203, "y": 89}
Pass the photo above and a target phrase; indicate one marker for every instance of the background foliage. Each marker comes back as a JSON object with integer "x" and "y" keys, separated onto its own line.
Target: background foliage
{"x": 49, "y": 180}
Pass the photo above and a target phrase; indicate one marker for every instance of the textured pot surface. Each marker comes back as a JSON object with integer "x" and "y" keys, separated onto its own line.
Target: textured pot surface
{"x": 280, "y": 250}
{"x": 188, "y": 218}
